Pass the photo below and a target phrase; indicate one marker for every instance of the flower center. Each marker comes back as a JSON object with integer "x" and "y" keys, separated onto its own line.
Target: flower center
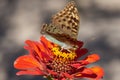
{"x": 62, "y": 60}
{"x": 65, "y": 54}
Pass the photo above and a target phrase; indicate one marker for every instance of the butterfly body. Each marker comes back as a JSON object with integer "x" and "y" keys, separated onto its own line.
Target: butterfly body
{"x": 64, "y": 27}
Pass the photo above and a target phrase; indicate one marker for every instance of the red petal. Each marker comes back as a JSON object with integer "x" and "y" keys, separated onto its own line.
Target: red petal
{"x": 29, "y": 43}
{"x": 92, "y": 58}
{"x": 63, "y": 79}
{"x": 46, "y": 42}
{"x": 38, "y": 49}
{"x": 29, "y": 72}
{"x": 52, "y": 72}
{"x": 80, "y": 44}
{"x": 98, "y": 71}
{"x": 47, "y": 45}
{"x": 81, "y": 52}
{"x": 85, "y": 72}
{"x": 95, "y": 73}
{"x": 44, "y": 50}
{"x": 79, "y": 64}
{"x": 67, "y": 75}
{"x": 27, "y": 62}
{"x": 76, "y": 65}
{"x": 33, "y": 46}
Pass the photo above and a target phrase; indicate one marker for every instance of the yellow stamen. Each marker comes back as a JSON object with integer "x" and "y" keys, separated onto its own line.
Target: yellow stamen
{"x": 65, "y": 55}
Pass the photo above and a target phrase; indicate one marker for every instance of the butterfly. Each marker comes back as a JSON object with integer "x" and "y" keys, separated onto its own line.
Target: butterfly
{"x": 64, "y": 27}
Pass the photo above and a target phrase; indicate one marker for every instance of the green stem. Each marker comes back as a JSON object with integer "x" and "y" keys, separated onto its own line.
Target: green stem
{"x": 49, "y": 78}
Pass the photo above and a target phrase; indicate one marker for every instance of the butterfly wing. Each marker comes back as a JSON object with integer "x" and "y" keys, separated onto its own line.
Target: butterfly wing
{"x": 67, "y": 20}
{"x": 64, "y": 26}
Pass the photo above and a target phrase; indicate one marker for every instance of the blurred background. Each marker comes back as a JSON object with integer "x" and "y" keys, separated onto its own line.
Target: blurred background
{"x": 22, "y": 19}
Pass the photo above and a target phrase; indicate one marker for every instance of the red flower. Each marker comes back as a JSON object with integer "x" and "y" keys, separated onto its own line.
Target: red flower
{"x": 47, "y": 59}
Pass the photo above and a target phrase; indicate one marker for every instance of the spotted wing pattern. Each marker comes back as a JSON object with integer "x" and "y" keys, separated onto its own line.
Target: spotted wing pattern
{"x": 64, "y": 26}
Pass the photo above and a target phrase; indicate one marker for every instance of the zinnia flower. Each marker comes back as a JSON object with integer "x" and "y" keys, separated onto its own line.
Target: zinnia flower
{"x": 48, "y": 59}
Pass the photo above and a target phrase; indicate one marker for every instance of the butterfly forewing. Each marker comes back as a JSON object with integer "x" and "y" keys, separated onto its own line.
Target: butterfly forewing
{"x": 68, "y": 20}
{"x": 64, "y": 26}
